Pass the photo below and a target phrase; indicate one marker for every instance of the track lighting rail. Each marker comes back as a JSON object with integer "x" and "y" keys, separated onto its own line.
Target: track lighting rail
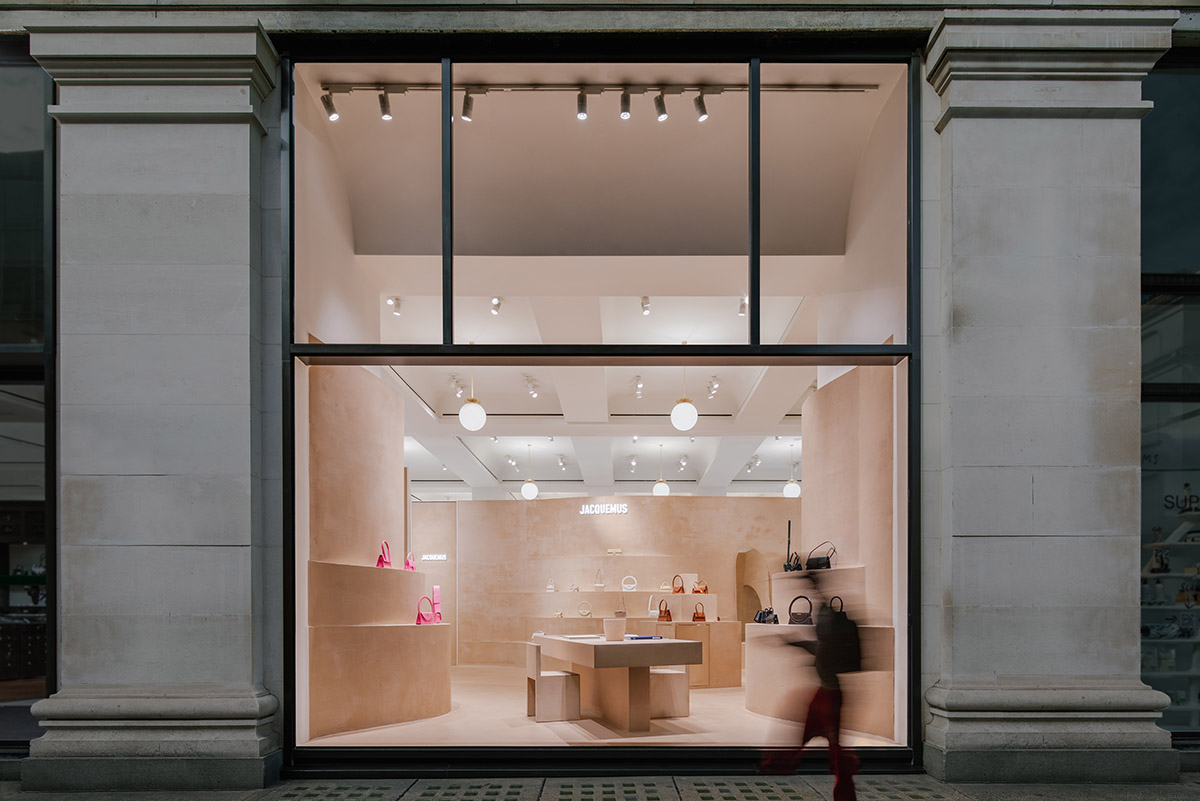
{"x": 593, "y": 89}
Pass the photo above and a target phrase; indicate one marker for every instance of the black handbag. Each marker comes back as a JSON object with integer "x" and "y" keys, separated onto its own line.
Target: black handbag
{"x": 793, "y": 558}
{"x": 766, "y": 616}
{"x": 820, "y": 562}
{"x": 801, "y": 618}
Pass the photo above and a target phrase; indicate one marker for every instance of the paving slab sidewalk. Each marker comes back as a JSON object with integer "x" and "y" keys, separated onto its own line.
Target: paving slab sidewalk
{"x": 874, "y": 787}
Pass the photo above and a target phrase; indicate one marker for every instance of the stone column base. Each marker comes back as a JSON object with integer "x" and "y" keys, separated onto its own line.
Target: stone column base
{"x": 1091, "y": 732}
{"x": 162, "y": 738}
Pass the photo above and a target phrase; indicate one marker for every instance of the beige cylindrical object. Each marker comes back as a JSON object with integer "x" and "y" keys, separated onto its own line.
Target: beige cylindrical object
{"x": 614, "y": 628}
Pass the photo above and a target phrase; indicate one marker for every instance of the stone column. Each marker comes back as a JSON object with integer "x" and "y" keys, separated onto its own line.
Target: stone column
{"x": 1039, "y": 354}
{"x": 160, "y": 621}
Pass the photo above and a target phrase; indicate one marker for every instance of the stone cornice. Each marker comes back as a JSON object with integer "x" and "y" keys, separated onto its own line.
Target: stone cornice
{"x": 209, "y": 73}
{"x": 1073, "y": 63}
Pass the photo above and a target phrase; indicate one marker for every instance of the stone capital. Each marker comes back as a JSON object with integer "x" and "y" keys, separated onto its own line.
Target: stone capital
{"x": 201, "y": 73}
{"x": 1053, "y": 63}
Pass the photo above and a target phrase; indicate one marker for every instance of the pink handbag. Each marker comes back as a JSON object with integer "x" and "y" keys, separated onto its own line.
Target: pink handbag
{"x": 409, "y": 562}
{"x": 385, "y": 555}
{"x": 423, "y": 618}
{"x": 437, "y": 604}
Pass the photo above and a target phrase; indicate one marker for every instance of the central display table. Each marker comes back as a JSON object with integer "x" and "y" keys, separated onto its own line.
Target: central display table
{"x": 615, "y": 675}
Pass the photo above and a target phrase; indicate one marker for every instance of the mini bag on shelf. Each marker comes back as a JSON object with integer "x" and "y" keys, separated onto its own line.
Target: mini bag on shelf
{"x": 823, "y": 562}
{"x": 629, "y": 584}
{"x": 677, "y": 588}
{"x": 437, "y": 603}
{"x": 422, "y": 618}
{"x": 574, "y": 587}
{"x": 766, "y": 616}
{"x": 665, "y": 586}
{"x": 598, "y": 584}
{"x": 698, "y": 615}
{"x": 409, "y": 562}
{"x": 800, "y": 618}
{"x": 664, "y": 611}
{"x": 585, "y": 609}
{"x": 700, "y": 587}
{"x": 550, "y": 586}
{"x": 385, "y": 555}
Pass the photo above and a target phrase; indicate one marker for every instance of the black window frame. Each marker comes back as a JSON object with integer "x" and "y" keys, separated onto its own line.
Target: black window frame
{"x": 752, "y": 49}
{"x": 36, "y": 364}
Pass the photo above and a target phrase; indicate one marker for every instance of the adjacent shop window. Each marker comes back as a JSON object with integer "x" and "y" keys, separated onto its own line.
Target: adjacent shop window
{"x": 1170, "y": 555}
{"x": 22, "y": 225}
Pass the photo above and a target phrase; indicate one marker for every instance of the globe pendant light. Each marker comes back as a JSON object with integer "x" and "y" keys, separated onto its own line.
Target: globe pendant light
{"x": 472, "y": 414}
{"x": 661, "y": 487}
{"x": 792, "y": 488}
{"x": 684, "y": 415}
{"x": 529, "y": 490}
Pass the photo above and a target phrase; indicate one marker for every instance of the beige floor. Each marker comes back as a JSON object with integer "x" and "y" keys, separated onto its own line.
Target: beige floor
{"x": 489, "y": 709}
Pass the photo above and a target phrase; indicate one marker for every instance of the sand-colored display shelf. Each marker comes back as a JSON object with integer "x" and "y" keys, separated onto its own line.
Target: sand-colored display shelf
{"x": 780, "y": 678}
{"x": 848, "y": 582}
{"x": 357, "y": 595}
{"x": 365, "y": 676}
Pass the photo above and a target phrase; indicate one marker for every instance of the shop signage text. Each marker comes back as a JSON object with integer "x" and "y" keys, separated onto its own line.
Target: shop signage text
{"x": 433, "y": 557}
{"x": 604, "y": 509}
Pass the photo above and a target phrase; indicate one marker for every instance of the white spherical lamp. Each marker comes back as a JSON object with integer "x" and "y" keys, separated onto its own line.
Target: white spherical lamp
{"x": 661, "y": 488}
{"x": 684, "y": 415}
{"x": 529, "y": 490}
{"x": 472, "y": 415}
{"x": 791, "y": 489}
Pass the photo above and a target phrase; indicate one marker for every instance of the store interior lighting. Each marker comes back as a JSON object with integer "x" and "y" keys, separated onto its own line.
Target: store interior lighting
{"x": 529, "y": 490}
{"x": 792, "y": 488}
{"x": 742, "y": 307}
{"x": 496, "y": 305}
{"x": 645, "y": 305}
{"x": 394, "y": 303}
{"x": 684, "y": 414}
{"x": 459, "y": 389}
{"x": 385, "y": 90}
{"x": 661, "y": 488}
{"x": 531, "y": 387}
{"x": 471, "y": 415}
{"x": 330, "y": 108}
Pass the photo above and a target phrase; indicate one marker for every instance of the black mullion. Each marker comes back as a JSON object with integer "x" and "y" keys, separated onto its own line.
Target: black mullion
{"x": 913, "y": 304}
{"x": 287, "y": 132}
{"x": 755, "y": 186}
{"x": 447, "y": 204}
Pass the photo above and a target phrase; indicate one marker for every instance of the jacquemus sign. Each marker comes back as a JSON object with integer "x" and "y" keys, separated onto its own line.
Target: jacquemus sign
{"x": 604, "y": 509}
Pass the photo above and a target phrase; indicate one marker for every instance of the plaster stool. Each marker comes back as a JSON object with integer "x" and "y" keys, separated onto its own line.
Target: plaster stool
{"x": 549, "y": 694}
{"x": 669, "y": 696}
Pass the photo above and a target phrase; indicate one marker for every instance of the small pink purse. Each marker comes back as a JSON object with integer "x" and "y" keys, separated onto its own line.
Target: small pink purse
{"x": 385, "y": 555}
{"x": 409, "y": 562}
{"x": 437, "y": 604}
{"x": 422, "y": 618}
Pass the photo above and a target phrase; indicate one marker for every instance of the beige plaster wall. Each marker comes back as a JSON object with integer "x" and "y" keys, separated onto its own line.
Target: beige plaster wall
{"x": 849, "y": 486}
{"x": 433, "y": 529}
{"x": 865, "y": 300}
{"x": 507, "y": 550}
{"x": 336, "y": 300}
{"x": 356, "y": 466}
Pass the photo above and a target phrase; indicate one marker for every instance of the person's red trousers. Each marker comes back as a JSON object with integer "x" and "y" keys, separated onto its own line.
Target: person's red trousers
{"x": 825, "y": 720}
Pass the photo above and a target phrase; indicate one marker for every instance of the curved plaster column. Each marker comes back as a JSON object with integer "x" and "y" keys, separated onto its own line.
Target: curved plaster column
{"x": 161, "y": 656}
{"x": 1038, "y": 370}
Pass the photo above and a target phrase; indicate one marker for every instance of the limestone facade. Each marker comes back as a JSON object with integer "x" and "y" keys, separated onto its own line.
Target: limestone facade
{"x": 172, "y": 261}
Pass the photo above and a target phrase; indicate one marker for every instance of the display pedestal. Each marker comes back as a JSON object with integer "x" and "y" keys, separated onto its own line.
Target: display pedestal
{"x": 780, "y": 678}
{"x": 721, "y": 641}
{"x": 369, "y": 663}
